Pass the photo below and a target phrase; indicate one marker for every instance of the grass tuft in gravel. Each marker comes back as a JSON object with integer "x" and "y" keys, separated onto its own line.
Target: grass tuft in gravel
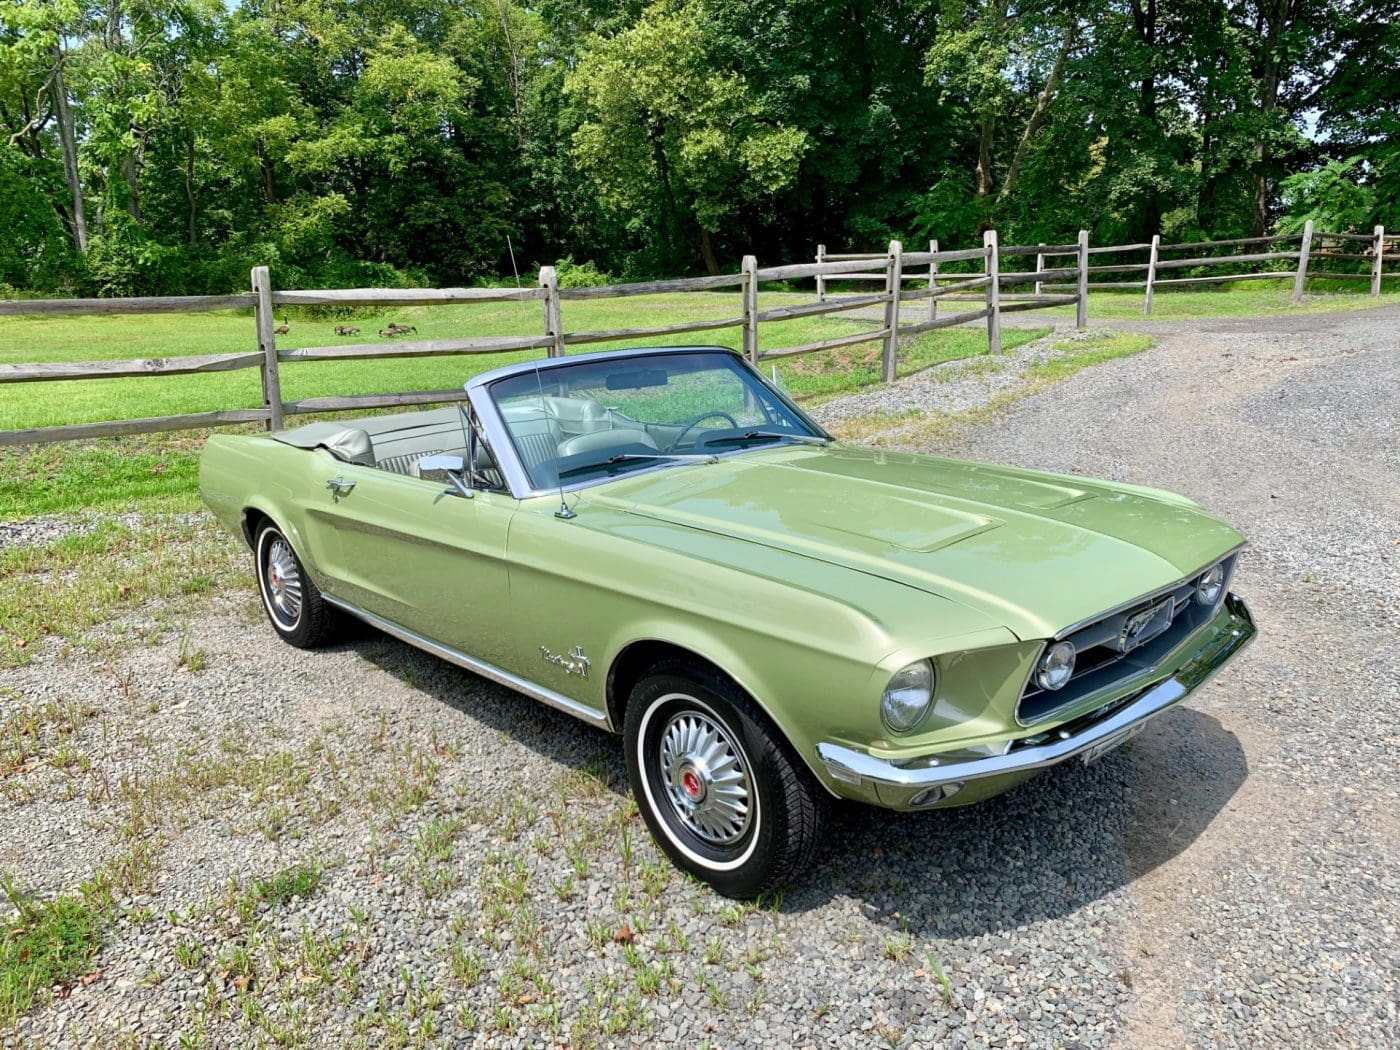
{"x": 300, "y": 880}
{"x": 45, "y": 943}
{"x": 65, "y": 587}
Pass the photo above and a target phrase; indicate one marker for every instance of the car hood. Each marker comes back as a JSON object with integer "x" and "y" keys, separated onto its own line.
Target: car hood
{"x": 1035, "y": 552}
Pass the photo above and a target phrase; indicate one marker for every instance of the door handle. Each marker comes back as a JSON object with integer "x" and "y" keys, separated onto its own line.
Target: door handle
{"x": 339, "y": 487}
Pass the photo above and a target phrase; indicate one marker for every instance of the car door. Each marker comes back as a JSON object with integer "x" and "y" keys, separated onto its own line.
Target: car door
{"x": 414, "y": 552}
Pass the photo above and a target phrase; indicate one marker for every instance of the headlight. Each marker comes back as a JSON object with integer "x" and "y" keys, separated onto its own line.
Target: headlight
{"x": 1210, "y": 584}
{"x": 908, "y": 696}
{"x": 1055, "y": 667}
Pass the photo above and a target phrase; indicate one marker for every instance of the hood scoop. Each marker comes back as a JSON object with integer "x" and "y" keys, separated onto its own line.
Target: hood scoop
{"x": 830, "y": 521}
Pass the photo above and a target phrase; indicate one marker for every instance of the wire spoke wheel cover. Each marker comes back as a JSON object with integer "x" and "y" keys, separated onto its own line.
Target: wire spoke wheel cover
{"x": 281, "y": 580}
{"x": 705, "y": 777}
{"x": 717, "y": 784}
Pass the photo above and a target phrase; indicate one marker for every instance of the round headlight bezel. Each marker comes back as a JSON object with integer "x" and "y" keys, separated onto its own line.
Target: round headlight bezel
{"x": 908, "y": 697}
{"x": 1055, "y": 667}
{"x": 1210, "y": 585}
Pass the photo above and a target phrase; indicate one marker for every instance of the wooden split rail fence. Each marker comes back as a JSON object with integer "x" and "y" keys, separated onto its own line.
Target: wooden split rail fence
{"x": 1307, "y": 252}
{"x": 554, "y": 339}
{"x": 894, "y": 269}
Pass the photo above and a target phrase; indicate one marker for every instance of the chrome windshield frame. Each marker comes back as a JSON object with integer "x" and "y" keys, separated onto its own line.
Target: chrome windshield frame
{"x": 508, "y": 459}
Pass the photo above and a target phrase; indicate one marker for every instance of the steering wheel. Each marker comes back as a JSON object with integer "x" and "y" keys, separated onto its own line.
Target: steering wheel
{"x": 697, "y": 421}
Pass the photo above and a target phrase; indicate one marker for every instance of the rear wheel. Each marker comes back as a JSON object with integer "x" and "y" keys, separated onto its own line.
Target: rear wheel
{"x": 290, "y": 597}
{"x": 720, "y": 789}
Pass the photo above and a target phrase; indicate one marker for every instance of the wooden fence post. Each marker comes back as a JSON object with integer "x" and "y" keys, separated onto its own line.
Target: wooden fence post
{"x": 553, "y": 314}
{"x": 1377, "y": 257}
{"x": 1039, "y": 266}
{"x": 1151, "y": 270}
{"x": 267, "y": 344}
{"x": 750, "y": 294}
{"x": 992, "y": 266}
{"x": 894, "y": 284}
{"x": 1301, "y": 277}
{"x": 1081, "y": 306}
{"x": 821, "y": 277}
{"x": 933, "y": 281}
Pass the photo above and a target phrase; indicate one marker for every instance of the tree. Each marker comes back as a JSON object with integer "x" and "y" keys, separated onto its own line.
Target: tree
{"x": 991, "y": 57}
{"x": 32, "y": 52}
{"x": 670, "y": 134}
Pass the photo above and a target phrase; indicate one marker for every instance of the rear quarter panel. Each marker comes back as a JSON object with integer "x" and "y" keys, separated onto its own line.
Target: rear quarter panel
{"x": 242, "y": 472}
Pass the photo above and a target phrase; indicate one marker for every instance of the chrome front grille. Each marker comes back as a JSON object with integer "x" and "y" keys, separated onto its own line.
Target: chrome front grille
{"x": 1107, "y": 653}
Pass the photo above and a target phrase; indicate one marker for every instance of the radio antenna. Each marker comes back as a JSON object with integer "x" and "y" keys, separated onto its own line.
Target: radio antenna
{"x": 563, "y": 512}
{"x": 515, "y": 270}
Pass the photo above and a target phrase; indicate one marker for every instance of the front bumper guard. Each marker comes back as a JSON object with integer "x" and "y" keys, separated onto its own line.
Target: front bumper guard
{"x": 929, "y": 779}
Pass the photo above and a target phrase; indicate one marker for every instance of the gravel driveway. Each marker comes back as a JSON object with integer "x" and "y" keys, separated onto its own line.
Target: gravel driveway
{"x": 365, "y": 846}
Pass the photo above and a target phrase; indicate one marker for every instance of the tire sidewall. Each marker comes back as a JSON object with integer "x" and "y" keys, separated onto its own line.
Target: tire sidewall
{"x": 738, "y": 871}
{"x": 268, "y": 535}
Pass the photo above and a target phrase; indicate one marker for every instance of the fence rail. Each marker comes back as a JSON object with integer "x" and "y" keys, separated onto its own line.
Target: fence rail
{"x": 906, "y": 278}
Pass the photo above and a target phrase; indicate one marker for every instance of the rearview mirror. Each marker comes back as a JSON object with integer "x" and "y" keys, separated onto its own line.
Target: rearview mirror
{"x": 637, "y": 380}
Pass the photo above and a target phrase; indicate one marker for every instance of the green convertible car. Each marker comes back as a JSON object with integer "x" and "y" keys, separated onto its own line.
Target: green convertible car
{"x": 662, "y": 544}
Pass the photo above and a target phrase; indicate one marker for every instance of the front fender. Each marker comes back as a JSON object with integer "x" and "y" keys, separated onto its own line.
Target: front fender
{"x": 807, "y": 693}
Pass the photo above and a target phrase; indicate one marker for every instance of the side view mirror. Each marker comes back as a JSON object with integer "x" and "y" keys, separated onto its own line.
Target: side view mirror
{"x": 451, "y": 469}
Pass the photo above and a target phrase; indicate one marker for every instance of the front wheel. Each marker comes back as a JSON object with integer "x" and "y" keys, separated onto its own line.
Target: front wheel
{"x": 291, "y": 598}
{"x": 720, "y": 789}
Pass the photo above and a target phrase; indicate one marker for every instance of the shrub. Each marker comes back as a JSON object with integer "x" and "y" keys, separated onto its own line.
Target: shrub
{"x": 580, "y": 275}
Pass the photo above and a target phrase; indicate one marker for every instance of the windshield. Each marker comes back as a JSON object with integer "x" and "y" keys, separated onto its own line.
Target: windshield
{"x": 600, "y": 418}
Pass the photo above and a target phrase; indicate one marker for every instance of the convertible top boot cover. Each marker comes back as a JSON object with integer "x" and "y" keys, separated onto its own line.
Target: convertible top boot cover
{"x": 350, "y": 446}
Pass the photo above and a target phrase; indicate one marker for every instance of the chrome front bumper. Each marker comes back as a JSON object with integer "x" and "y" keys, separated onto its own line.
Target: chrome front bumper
{"x": 930, "y": 779}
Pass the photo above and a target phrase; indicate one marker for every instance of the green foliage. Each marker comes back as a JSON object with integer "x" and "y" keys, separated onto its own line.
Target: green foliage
{"x": 423, "y": 140}
{"x": 34, "y": 253}
{"x": 671, "y": 136}
{"x": 572, "y": 274}
{"x": 122, "y": 260}
{"x": 1331, "y": 196}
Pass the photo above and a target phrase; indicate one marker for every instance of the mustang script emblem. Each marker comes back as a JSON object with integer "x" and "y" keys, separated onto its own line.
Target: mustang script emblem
{"x": 570, "y": 663}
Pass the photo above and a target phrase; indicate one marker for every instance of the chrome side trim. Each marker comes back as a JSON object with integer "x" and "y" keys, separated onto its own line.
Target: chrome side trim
{"x": 558, "y": 701}
{"x": 912, "y": 776}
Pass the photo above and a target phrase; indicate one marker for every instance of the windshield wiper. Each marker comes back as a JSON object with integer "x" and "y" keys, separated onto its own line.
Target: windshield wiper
{"x": 768, "y": 435}
{"x": 628, "y": 457}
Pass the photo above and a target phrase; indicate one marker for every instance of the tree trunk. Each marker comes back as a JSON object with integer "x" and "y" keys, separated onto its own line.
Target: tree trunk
{"x": 63, "y": 117}
{"x": 133, "y": 185}
{"x": 513, "y": 75}
{"x": 670, "y": 210}
{"x": 1042, "y": 106}
{"x": 707, "y": 252}
{"x": 269, "y": 187}
{"x": 984, "y": 159}
{"x": 1145, "y": 23}
{"x": 189, "y": 189}
{"x": 1272, "y": 18}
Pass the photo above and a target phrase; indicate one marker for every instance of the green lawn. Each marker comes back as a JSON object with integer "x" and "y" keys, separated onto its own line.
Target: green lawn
{"x": 1242, "y": 299}
{"x": 30, "y": 339}
{"x": 158, "y": 472}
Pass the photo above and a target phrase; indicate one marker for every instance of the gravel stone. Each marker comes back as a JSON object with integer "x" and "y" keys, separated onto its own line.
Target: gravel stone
{"x": 1228, "y": 879}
